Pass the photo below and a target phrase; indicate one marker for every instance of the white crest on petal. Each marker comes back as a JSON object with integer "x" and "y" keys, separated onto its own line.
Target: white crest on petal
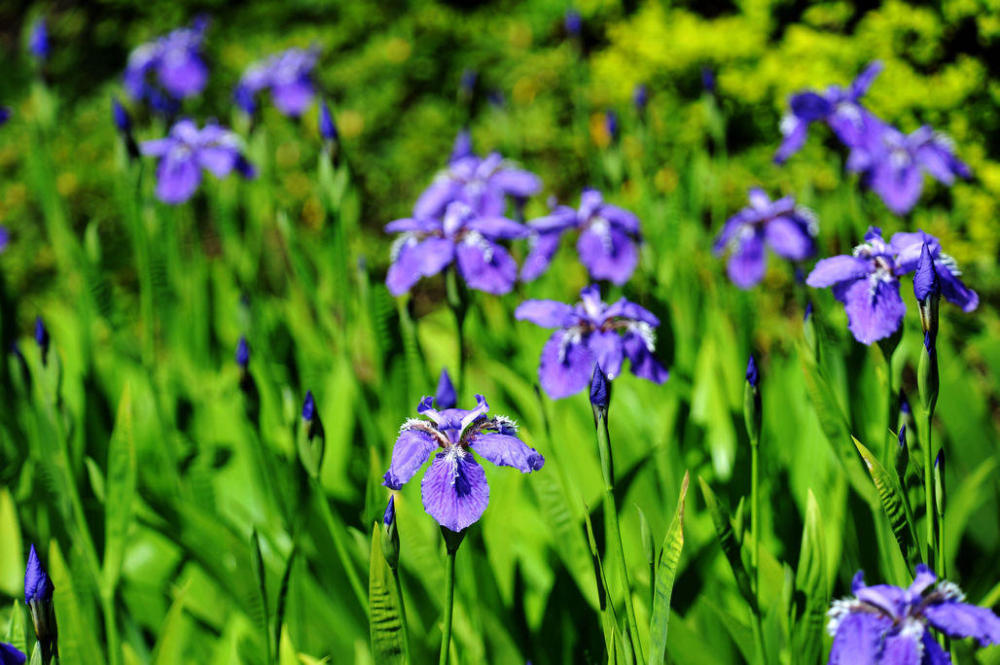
{"x": 645, "y": 332}
{"x": 839, "y": 610}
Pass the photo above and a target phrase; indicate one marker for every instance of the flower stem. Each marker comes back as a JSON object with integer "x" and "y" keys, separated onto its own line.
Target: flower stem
{"x": 930, "y": 504}
{"x": 458, "y": 301}
{"x": 449, "y": 601}
{"x": 402, "y": 614}
{"x": 755, "y": 541}
{"x": 607, "y": 467}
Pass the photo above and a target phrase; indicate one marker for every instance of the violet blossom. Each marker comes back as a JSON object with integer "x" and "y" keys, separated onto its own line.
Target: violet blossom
{"x": 288, "y": 75}
{"x": 177, "y": 63}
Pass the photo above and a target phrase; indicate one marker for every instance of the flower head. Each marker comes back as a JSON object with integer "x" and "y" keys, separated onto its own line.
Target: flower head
{"x": 288, "y": 75}
{"x": 309, "y": 407}
{"x": 789, "y": 230}
{"x": 444, "y": 397}
{"x": 482, "y": 183}
{"x": 454, "y": 488}
{"x": 11, "y": 655}
{"x": 242, "y": 353}
{"x": 910, "y": 247}
{"x": 38, "y": 40}
{"x": 753, "y": 375}
{"x": 4, "y": 114}
{"x": 176, "y": 61}
{"x": 888, "y": 625}
{"x": 600, "y": 389}
{"x": 592, "y": 333}
{"x": 607, "y": 244}
{"x": 37, "y": 585}
{"x": 838, "y": 107}
{"x": 427, "y": 246}
{"x": 327, "y": 127}
{"x": 186, "y": 150}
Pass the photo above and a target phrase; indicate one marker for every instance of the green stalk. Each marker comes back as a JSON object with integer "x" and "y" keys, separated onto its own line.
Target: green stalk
{"x": 449, "y": 602}
{"x": 458, "y": 301}
{"x": 338, "y": 535}
{"x": 607, "y": 467}
{"x": 402, "y": 614}
{"x": 755, "y": 542}
{"x": 932, "y": 545}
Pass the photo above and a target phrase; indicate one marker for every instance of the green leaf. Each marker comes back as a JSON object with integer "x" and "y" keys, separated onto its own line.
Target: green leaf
{"x": 384, "y": 615}
{"x": 893, "y": 505}
{"x": 16, "y": 635}
{"x": 666, "y": 572}
{"x": 77, "y": 643}
{"x": 120, "y": 492}
{"x": 11, "y": 554}
{"x": 173, "y": 633}
{"x": 260, "y": 574}
{"x": 811, "y": 582}
{"x": 727, "y": 540}
{"x": 279, "y": 614}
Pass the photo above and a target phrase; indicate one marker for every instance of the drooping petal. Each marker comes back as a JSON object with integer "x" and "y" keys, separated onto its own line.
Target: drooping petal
{"x": 432, "y": 202}
{"x": 904, "y": 647}
{"x": 748, "y": 263}
{"x": 157, "y": 147}
{"x": 177, "y": 177}
{"x": 412, "y": 448}
{"x": 486, "y": 266}
{"x": 874, "y": 310}
{"x": 810, "y": 106}
{"x": 10, "y": 655}
{"x": 506, "y": 450}
{"x": 410, "y": 224}
{"x": 545, "y": 313}
{"x": 623, "y": 219}
{"x": 182, "y": 74}
{"x": 566, "y": 365}
{"x": 606, "y": 345}
{"x": 293, "y": 98}
{"x": 516, "y": 182}
{"x": 789, "y": 238}
{"x": 922, "y": 580}
{"x": 858, "y": 638}
{"x": 542, "y": 247}
{"x": 608, "y": 253}
{"x": 454, "y": 489}
{"x": 497, "y": 228}
{"x": 964, "y": 620}
{"x": 794, "y": 132}
{"x": 560, "y": 219}
{"x": 933, "y": 653}
{"x": 218, "y": 160}
{"x": 405, "y": 270}
{"x": 909, "y": 246}
{"x": 954, "y": 289}
{"x": 899, "y": 186}
{"x": 643, "y": 363}
{"x": 630, "y": 310}
{"x": 435, "y": 255}
{"x": 837, "y": 269}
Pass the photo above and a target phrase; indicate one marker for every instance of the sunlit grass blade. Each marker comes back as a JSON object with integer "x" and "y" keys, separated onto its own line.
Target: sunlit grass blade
{"x": 384, "y": 615}
{"x": 119, "y": 491}
{"x": 260, "y": 576}
{"x": 16, "y": 634}
{"x": 666, "y": 572}
{"x": 893, "y": 505}
{"x": 730, "y": 546}
{"x": 811, "y": 582}
{"x": 78, "y": 635}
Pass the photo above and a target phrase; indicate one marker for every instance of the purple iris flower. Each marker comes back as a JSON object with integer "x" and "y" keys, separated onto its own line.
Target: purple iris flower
{"x": 176, "y": 60}
{"x": 186, "y": 151}
{"x": 893, "y": 163}
{"x": 611, "y": 124}
{"x": 4, "y": 115}
{"x": 37, "y": 585}
{"x": 867, "y": 281}
{"x": 837, "y": 107}
{"x": 11, "y": 655}
{"x": 454, "y": 488}
{"x": 38, "y": 41}
{"x": 480, "y": 182}
{"x": 592, "y": 333}
{"x": 640, "y": 97}
{"x": 607, "y": 244}
{"x": 573, "y": 22}
{"x": 288, "y": 75}
{"x": 786, "y": 228}
{"x": 429, "y": 245}
{"x": 4, "y": 238}
{"x": 444, "y": 396}
{"x": 888, "y": 625}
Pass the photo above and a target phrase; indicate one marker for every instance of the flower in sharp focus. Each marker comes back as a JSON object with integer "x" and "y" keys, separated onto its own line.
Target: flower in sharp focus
{"x": 893, "y": 163}
{"x": 786, "y": 228}
{"x": 454, "y": 488}
{"x": 429, "y": 245}
{"x": 909, "y": 247}
{"x": 177, "y": 63}
{"x": 288, "y": 75}
{"x": 607, "y": 244}
{"x": 888, "y": 625}
{"x": 838, "y": 107}
{"x": 38, "y": 590}
{"x": 444, "y": 396}
{"x": 38, "y": 40}
{"x": 11, "y": 655}
{"x": 483, "y": 183}
{"x": 186, "y": 150}
{"x": 591, "y": 333}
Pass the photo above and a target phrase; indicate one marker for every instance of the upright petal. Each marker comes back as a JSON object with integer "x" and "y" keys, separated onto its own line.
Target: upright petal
{"x": 858, "y": 639}
{"x": 964, "y": 620}
{"x": 486, "y": 266}
{"x": 506, "y": 450}
{"x": 218, "y": 160}
{"x": 413, "y": 447}
{"x": 444, "y": 396}
{"x": 864, "y": 80}
{"x": 566, "y": 365}
{"x": 837, "y": 269}
{"x": 874, "y": 310}
{"x": 629, "y": 310}
{"x": 747, "y": 264}
{"x": 789, "y": 238}
{"x": 623, "y": 219}
{"x": 904, "y": 647}
{"x": 541, "y": 248}
{"x": 545, "y": 313}
{"x": 954, "y": 289}
{"x": 432, "y": 202}
{"x": 608, "y": 253}
{"x": 182, "y": 74}
{"x": 794, "y": 132}
{"x": 497, "y": 228}
{"x": 899, "y": 186}
{"x": 454, "y": 489}
{"x": 606, "y": 345}
{"x": 516, "y": 182}
{"x": 909, "y": 246}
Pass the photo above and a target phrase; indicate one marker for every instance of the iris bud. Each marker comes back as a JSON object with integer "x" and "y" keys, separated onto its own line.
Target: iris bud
{"x": 312, "y": 438}
{"x": 390, "y": 536}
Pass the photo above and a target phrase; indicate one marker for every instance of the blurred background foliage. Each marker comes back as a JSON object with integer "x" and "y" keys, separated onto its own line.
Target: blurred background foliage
{"x": 264, "y": 259}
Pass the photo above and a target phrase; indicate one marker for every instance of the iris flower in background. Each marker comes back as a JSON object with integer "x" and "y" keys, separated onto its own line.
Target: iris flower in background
{"x": 428, "y": 245}
{"x": 607, "y": 244}
{"x": 444, "y": 396}
{"x": 4, "y": 115}
{"x": 4, "y": 238}
{"x": 288, "y": 75}
{"x": 640, "y": 98}
{"x": 327, "y": 127}
{"x": 573, "y": 22}
{"x": 884, "y": 624}
{"x": 480, "y": 182}
{"x": 454, "y": 488}
{"x": 186, "y": 150}
{"x": 591, "y": 333}
{"x": 837, "y": 107}
{"x": 867, "y": 281}
{"x": 786, "y": 228}
{"x": 611, "y": 124}
{"x": 177, "y": 63}
{"x": 10, "y": 655}
{"x": 38, "y": 40}
{"x": 893, "y": 163}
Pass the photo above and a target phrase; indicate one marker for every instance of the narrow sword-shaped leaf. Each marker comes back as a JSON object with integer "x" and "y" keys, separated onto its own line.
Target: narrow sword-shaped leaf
{"x": 810, "y": 580}
{"x": 727, "y": 540}
{"x": 666, "y": 572}
{"x": 893, "y": 505}
{"x": 119, "y": 491}
{"x": 385, "y": 619}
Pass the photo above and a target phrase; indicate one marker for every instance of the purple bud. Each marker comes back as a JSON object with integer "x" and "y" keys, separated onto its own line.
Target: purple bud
{"x": 445, "y": 397}
{"x": 4, "y": 238}
{"x": 327, "y": 128}
{"x": 462, "y": 147}
{"x": 904, "y": 404}
{"x": 309, "y": 407}
{"x": 708, "y": 79}
{"x": 495, "y": 98}
{"x": 925, "y": 280}
{"x": 929, "y": 342}
{"x": 640, "y": 97}
{"x": 4, "y": 114}
{"x": 600, "y": 389}
{"x": 242, "y": 353}
{"x": 753, "y": 376}
{"x": 939, "y": 460}
{"x": 572, "y": 22}
{"x": 38, "y": 41}
{"x": 244, "y": 98}
{"x": 611, "y": 124}
{"x": 245, "y": 168}
{"x": 37, "y": 585}
{"x": 902, "y": 437}
{"x": 809, "y": 311}
{"x": 42, "y": 337}
{"x": 468, "y": 82}
{"x": 390, "y": 511}
{"x": 120, "y": 116}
